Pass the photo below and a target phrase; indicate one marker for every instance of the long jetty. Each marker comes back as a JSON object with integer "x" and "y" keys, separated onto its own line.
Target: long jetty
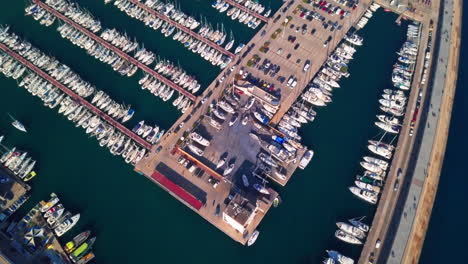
{"x": 76, "y": 97}
{"x": 116, "y": 50}
{"x": 186, "y": 30}
{"x": 245, "y": 9}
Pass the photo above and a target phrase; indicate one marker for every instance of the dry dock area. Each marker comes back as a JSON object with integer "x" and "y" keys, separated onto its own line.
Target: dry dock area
{"x": 226, "y": 182}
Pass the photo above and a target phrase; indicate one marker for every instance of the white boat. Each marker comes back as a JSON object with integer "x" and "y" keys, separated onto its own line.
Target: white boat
{"x": 367, "y": 186}
{"x": 388, "y": 120}
{"x": 366, "y": 195}
{"x": 66, "y": 225}
{"x": 228, "y": 169}
{"x": 306, "y": 159}
{"x": 196, "y": 150}
{"x": 253, "y": 238}
{"x": 261, "y": 189}
{"x": 348, "y": 238}
{"x": 372, "y": 167}
{"x": 49, "y": 204}
{"x": 268, "y": 160}
{"x": 234, "y": 119}
{"x": 221, "y": 163}
{"x": 382, "y": 163}
{"x": 352, "y": 230}
{"x": 199, "y": 139}
{"x": 339, "y": 257}
{"x": 394, "y": 129}
{"x": 381, "y": 150}
{"x": 359, "y": 224}
{"x": 245, "y": 180}
{"x": 18, "y": 125}
{"x": 239, "y": 48}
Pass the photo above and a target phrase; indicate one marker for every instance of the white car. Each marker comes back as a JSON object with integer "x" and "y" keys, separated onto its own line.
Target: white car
{"x": 233, "y": 68}
{"x": 222, "y": 79}
{"x": 290, "y": 81}
{"x": 294, "y": 83}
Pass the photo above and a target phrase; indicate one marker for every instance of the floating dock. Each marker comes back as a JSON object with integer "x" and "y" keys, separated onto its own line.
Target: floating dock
{"x": 184, "y": 29}
{"x": 245, "y": 9}
{"x": 77, "y": 98}
{"x": 122, "y": 54}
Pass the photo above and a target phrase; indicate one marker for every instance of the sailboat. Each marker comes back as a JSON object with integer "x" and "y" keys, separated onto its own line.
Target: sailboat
{"x": 230, "y": 43}
{"x": 17, "y": 124}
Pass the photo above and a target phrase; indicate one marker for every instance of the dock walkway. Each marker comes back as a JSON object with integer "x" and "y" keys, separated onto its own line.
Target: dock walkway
{"x": 116, "y": 50}
{"x": 76, "y": 97}
{"x": 184, "y": 29}
{"x": 245, "y": 9}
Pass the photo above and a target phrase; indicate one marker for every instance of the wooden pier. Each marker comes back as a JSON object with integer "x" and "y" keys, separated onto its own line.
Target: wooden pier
{"x": 77, "y": 98}
{"x": 116, "y": 50}
{"x": 184, "y": 29}
{"x": 245, "y": 9}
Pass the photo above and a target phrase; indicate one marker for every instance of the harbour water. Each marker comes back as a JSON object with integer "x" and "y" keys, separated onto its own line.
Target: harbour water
{"x": 136, "y": 221}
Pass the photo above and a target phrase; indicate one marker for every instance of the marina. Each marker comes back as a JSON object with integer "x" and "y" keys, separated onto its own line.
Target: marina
{"x": 123, "y": 55}
{"x": 237, "y": 146}
{"x": 75, "y": 97}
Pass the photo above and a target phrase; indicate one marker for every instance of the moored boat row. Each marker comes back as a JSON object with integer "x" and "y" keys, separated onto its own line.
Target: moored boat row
{"x": 156, "y": 15}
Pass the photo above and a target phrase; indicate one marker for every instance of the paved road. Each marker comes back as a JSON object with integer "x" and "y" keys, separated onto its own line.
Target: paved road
{"x": 392, "y": 225}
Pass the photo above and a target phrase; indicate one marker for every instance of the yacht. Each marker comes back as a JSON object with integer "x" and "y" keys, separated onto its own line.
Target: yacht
{"x": 239, "y": 48}
{"x": 352, "y": 230}
{"x": 199, "y": 139}
{"x": 393, "y": 129}
{"x": 366, "y": 195}
{"x": 228, "y": 169}
{"x": 66, "y": 225}
{"x": 348, "y": 238}
{"x": 339, "y": 257}
{"x": 382, "y": 163}
{"x": 253, "y": 238}
{"x": 261, "y": 189}
{"x": 357, "y": 222}
{"x": 367, "y": 186}
{"x": 306, "y": 159}
{"x": 196, "y": 150}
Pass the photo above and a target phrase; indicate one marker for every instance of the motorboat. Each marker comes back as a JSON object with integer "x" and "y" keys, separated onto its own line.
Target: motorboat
{"x": 228, "y": 169}
{"x": 261, "y": 189}
{"x": 346, "y": 237}
{"x": 366, "y": 195}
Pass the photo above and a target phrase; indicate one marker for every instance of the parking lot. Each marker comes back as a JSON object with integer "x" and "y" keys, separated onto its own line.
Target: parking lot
{"x": 291, "y": 51}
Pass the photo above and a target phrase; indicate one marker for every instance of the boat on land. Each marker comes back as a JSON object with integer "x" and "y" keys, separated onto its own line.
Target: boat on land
{"x": 221, "y": 162}
{"x": 228, "y": 169}
{"x": 245, "y": 180}
{"x": 261, "y": 189}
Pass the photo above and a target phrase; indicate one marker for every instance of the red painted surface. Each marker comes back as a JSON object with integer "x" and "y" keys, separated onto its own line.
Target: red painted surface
{"x": 177, "y": 190}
